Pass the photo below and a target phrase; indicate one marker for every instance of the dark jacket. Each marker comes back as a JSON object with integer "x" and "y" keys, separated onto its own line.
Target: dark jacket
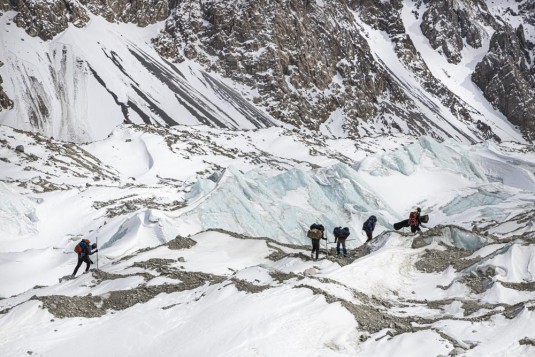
{"x": 341, "y": 233}
{"x": 369, "y": 225}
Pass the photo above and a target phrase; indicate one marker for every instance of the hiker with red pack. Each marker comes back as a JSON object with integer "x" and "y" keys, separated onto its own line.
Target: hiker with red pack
{"x": 84, "y": 250}
{"x": 414, "y": 220}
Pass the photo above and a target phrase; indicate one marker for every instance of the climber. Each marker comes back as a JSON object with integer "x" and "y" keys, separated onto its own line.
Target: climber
{"x": 84, "y": 250}
{"x": 414, "y": 220}
{"x": 369, "y": 226}
{"x": 316, "y": 233}
{"x": 340, "y": 236}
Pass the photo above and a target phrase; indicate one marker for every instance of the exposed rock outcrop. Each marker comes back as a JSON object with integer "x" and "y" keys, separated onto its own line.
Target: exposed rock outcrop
{"x": 386, "y": 16}
{"x": 5, "y": 102}
{"x": 448, "y": 23}
{"x": 505, "y": 75}
{"x": 527, "y": 9}
{"x": 5, "y": 5}
{"x": 140, "y": 12}
{"x": 46, "y": 19}
{"x": 305, "y": 61}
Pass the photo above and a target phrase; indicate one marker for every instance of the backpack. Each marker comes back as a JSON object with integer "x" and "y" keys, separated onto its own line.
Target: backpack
{"x": 80, "y": 247}
{"x": 316, "y": 231}
{"x": 345, "y": 233}
{"x": 337, "y": 232}
{"x": 369, "y": 225}
{"x": 314, "y": 234}
{"x": 413, "y": 218}
{"x": 318, "y": 227}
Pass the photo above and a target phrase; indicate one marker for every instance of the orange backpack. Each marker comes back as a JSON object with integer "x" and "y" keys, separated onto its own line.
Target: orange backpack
{"x": 80, "y": 246}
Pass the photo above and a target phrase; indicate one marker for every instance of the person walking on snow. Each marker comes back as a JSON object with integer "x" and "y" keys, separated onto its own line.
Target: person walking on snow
{"x": 316, "y": 233}
{"x": 369, "y": 226}
{"x": 84, "y": 251}
{"x": 340, "y": 236}
{"x": 414, "y": 220}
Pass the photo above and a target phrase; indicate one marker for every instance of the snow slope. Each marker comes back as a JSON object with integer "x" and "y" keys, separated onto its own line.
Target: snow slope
{"x": 202, "y": 233}
{"x": 86, "y": 81}
{"x": 83, "y": 83}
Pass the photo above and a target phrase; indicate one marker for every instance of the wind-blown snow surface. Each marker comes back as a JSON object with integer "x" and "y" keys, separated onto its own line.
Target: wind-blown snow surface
{"x": 242, "y": 283}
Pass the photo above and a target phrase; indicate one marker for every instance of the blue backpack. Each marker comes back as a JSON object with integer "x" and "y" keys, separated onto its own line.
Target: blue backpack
{"x": 369, "y": 225}
{"x": 337, "y": 232}
{"x": 340, "y": 232}
{"x": 81, "y": 247}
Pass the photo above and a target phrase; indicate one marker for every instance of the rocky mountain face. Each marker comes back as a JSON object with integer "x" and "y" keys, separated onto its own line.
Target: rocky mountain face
{"x": 5, "y": 102}
{"x": 5, "y": 5}
{"x": 140, "y": 12}
{"x": 386, "y": 16}
{"x": 288, "y": 51}
{"x": 304, "y": 60}
{"x": 506, "y": 76}
{"x": 46, "y": 19}
{"x": 447, "y": 24}
{"x": 506, "y": 73}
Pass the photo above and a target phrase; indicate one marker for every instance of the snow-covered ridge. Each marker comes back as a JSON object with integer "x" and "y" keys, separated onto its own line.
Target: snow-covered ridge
{"x": 88, "y": 80}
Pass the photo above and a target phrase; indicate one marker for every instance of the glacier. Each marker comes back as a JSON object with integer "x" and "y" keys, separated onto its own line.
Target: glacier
{"x": 193, "y": 221}
{"x": 283, "y": 206}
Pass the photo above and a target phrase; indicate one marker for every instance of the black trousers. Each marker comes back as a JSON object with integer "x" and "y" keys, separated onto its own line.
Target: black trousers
{"x": 369, "y": 235}
{"x": 81, "y": 259}
{"x": 415, "y": 228}
{"x": 316, "y": 247}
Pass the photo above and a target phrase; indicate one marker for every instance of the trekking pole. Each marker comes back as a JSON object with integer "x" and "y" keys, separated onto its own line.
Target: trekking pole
{"x": 326, "y": 244}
